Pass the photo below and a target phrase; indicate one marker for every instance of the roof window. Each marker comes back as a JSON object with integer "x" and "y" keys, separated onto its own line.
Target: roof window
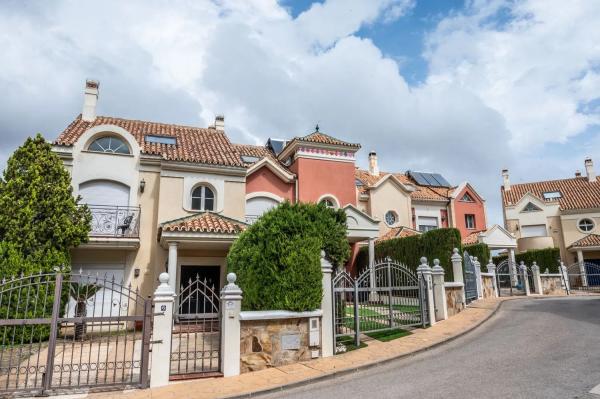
{"x": 161, "y": 139}
{"x": 552, "y": 195}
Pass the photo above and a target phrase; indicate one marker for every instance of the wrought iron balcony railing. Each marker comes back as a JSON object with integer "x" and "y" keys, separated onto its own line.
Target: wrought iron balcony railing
{"x": 115, "y": 221}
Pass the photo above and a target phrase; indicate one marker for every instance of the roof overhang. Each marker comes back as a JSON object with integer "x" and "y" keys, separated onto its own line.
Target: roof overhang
{"x": 457, "y": 190}
{"x": 390, "y": 177}
{"x": 197, "y": 240}
{"x": 360, "y": 225}
{"x": 497, "y": 237}
{"x": 583, "y": 249}
{"x": 293, "y": 145}
{"x": 273, "y": 167}
{"x": 111, "y": 243}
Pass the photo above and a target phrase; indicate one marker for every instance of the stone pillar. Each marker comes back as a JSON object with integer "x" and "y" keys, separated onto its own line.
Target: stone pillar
{"x": 478, "y": 277}
{"x": 327, "y": 320}
{"x": 424, "y": 273}
{"x": 457, "y": 271}
{"x": 172, "y": 265}
{"x": 523, "y": 270}
{"x": 582, "y": 271}
{"x": 439, "y": 292}
{"x": 565, "y": 273}
{"x": 512, "y": 266}
{"x": 161, "y": 332}
{"x": 491, "y": 268}
{"x": 373, "y": 293}
{"x": 231, "y": 305}
{"x": 537, "y": 280}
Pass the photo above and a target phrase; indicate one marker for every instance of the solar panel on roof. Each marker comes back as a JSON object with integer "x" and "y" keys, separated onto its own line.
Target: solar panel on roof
{"x": 441, "y": 180}
{"x": 277, "y": 145}
{"x": 429, "y": 179}
{"x": 418, "y": 178}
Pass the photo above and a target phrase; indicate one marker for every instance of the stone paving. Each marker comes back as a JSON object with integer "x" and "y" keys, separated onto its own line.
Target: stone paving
{"x": 249, "y": 384}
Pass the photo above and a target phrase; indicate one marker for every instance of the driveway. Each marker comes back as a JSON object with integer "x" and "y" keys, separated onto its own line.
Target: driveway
{"x": 532, "y": 348}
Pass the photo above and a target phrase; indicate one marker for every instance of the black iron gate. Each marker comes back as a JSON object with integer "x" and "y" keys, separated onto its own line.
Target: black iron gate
{"x": 470, "y": 278}
{"x": 389, "y": 296}
{"x": 63, "y": 332}
{"x": 196, "y": 339}
{"x": 584, "y": 277}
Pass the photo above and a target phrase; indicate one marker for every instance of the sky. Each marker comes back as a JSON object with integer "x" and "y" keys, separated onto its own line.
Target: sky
{"x": 462, "y": 88}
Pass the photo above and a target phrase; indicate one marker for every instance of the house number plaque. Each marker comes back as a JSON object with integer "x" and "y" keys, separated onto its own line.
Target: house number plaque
{"x": 290, "y": 342}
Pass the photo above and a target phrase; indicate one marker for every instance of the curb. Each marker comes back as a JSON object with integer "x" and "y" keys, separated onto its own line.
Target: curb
{"x": 347, "y": 371}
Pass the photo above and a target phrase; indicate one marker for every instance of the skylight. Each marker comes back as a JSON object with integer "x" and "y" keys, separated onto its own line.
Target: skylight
{"x": 552, "y": 195}
{"x": 161, "y": 139}
{"x": 249, "y": 159}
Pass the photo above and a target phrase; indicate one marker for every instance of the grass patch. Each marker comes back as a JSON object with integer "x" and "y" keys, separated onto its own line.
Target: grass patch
{"x": 406, "y": 308}
{"x": 348, "y": 343}
{"x": 362, "y": 311}
{"x": 388, "y": 335}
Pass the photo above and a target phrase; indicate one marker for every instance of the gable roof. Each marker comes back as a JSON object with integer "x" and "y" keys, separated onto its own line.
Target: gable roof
{"x": 322, "y": 138}
{"x": 472, "y": 238}
{"x": 423, "y": 193}
{"x": 201, "y": 145}
{"x": 204, "y": 222}
{"x": 591, "y": 240}
{"x": 398, "y": 232}
{"x": 576, "y": 193}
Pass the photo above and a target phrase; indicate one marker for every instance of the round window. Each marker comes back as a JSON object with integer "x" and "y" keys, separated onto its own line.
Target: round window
{"x": 586, "y": 225}
{"x": 390, "y": 218}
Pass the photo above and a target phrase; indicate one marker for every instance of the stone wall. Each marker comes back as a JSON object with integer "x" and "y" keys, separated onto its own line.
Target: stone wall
{"x": 487, "y": 285}
{"x": 454, "y": 299}
{"x": 552, "y": 284}
{"x": 261, "y": 343}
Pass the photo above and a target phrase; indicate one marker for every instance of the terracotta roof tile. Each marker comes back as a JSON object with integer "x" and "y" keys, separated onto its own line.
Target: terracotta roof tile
{"x": 322, "y": 138}
{"x": 576, "y": 193}
{"x": 591, "y": 240}
{"x": 472, "y": 238}
{"x": 398, "y": 232}
{"x": 205, "y": 222}
{"x": 194, "y": 144}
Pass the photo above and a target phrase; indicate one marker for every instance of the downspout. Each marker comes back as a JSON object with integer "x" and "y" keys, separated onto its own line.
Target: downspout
{"x": 296, "y": 189}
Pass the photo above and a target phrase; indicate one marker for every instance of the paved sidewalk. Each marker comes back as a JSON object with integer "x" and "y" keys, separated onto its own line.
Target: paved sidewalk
{"x": 277, "y": 378}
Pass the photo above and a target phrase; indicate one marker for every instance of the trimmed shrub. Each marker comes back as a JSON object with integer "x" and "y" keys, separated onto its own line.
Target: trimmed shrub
{"x": 481, "y": 251}
{"x": 433, "y": 244}
{"x": 277, "y": 259}
{"x": 548, "y": 258}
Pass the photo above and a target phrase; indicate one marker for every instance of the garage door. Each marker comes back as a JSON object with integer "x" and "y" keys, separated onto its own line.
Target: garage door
{"x": 104, "y": 192}
{"x": 104, "y": 297}
{"x": 259, "y": 205}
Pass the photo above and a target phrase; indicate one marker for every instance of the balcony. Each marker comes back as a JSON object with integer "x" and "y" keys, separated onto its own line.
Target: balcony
{"x": 528, "y": 243}
{"x": 117, "y": 226}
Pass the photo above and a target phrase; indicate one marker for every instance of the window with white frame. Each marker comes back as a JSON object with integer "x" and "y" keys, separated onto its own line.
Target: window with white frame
{"x": 586, "y": 225}
{"x": 470, "y": 221}
{"x": 391, "y": 218}
{"x": 203, "y": 199}
{"x": 110, "y": 144}
{"x": 467, "y": 198}
{"x": 328, "y": 202}
{"x": 531, "y": 207}
{"x": 427, "y": 223}
{"x": 552, "y": 195}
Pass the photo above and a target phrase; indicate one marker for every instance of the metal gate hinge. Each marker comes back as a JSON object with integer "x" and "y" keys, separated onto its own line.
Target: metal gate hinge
{"x": 157, "y": 341}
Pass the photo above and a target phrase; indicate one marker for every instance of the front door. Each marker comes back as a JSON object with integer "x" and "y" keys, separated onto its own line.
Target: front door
{"x": 200, "y": 286}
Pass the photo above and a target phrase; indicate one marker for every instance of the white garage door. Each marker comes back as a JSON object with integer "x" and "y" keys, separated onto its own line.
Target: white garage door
{"x": 534, "y": 230}
{"x": 107, "y": 299}
{"x": 104, "y": 192}
{"x": 258, "y": 205}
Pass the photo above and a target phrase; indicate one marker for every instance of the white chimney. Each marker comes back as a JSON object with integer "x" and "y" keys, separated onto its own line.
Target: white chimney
{"x": 220, "y": 122}
{"x": 589, "y": 170}
{"x": 90, "y": 98}
{"x": 577, "y": 173}
{"x": 373, "y": 167}
{"x": 506, "y": 179}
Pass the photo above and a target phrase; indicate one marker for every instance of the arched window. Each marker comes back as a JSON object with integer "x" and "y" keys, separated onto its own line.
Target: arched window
{"x": 203, "y": 199}
{"x": 109, "y": 144}
{"x": 328, "y": 202}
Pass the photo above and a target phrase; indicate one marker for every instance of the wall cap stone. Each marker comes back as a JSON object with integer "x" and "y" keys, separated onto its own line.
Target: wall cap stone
{"x": 454, "y": 284}
{"x": 277, "y": 314}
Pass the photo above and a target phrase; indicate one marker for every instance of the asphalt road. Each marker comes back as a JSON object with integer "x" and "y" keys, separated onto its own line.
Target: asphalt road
{"x": 532, "y": 348}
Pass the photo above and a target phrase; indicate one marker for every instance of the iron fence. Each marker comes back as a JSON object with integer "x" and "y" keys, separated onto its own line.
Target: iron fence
{"x": 584, "y": 276}
{"x": 470, "y": 277}
{"x": 196, "y": 335}
{"x": 115, "y": 221}
{"x": 388, "y": 296}
{"x": 69, "y": 331}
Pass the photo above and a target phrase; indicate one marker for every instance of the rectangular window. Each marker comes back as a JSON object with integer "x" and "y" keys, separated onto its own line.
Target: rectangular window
{"x": 534, "y": 230}
{"x": 161, "y": 140}
{"x": 552, "y": 195}
{"x": 427, "y": 223}
{"x": 470, "y": 221}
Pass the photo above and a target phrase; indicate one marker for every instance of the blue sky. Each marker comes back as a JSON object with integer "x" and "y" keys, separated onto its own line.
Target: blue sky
{"x": 464, "y": 89}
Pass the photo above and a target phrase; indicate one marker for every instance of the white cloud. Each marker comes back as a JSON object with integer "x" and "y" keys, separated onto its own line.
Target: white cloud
{"x": 274, "y": 75}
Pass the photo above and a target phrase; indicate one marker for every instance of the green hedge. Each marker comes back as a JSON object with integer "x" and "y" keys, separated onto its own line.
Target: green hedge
{"x": 548, "y": 258}
{"x": 277, "y": 259}
{"x": 433, "y": 244}
{"x": 481, "y": 251}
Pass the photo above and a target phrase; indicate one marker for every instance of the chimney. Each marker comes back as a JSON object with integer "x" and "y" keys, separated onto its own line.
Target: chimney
{"x": 506, "y": 179}
{"x": 589, "y": 170}
{"x": 578, "y": 173}
{"x": 373, "y": 167}
{"x": 90, "y": 98}
{"x": 220, "y": 122}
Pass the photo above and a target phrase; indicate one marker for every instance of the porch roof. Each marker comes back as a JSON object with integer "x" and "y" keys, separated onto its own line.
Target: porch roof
{"x": 203, "y": 222}
{"x": 589, "y": 241}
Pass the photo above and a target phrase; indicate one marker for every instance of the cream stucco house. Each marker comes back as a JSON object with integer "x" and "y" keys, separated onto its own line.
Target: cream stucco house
{"x": 561, "y": 213}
